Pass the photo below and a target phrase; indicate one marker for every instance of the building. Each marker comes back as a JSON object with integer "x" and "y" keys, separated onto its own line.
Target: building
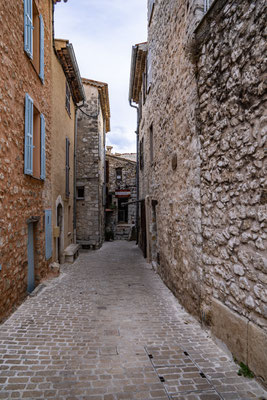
{"x": 93, "y": 124}
{"x": 121, "y": 195}
{"x": 199, "y": 86}
{"x": 67, "y": 93}
{"x": 25, "y": 148}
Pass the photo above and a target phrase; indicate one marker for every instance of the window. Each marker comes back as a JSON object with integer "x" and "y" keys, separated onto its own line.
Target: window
{"x": 34, "y": 36}
{"x": 151, "y": 143}
{"x": 150, "y": 10}
{"x": 80, "y": 192}
{"x": 67, "y": 167}
{"x": 118, "y": 174}
{"x": 141, "y": 154}
{"x": 67, "y": 98}
{"x": 34, "y": 147}
{"x": 148, "y": 71}
{"x": 48, "y": 234}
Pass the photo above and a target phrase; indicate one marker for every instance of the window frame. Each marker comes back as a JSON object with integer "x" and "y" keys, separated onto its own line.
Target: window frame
{"x": 67, "y": 98}
{"x": 151, "y": 4}
{"x": 118, "y": 179}
{"x": 77, "y": 192}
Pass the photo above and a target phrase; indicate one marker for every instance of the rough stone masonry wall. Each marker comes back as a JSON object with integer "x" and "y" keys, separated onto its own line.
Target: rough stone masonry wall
{"x": 21, "y": 196}
{"x": 173, "y": 178}
{"x": 128, "y": 182}
{"x": 88, "y": 217}
{"x": 233, "y": 128}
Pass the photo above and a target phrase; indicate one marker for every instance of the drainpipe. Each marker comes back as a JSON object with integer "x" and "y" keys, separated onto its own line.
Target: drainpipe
{"x": 137, "y": 170}
{"x": 75, "y": 178}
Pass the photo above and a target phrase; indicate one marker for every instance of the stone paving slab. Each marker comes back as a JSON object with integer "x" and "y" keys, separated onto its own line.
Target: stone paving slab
{"x": 91, "y": 332}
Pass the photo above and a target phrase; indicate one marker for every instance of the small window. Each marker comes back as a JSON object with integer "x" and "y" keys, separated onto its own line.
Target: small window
{"x": 80, "y": 192}
{"x": 151, "y": 136}
{"x": 67, "y": 98}
{"x": 118, "y": 174}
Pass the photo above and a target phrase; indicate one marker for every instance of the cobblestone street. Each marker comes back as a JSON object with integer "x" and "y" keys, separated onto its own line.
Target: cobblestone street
{"x": 109, "y": 329}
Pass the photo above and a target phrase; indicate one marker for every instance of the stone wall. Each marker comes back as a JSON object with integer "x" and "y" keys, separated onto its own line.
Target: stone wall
{"x": 128, "y": 181}
{"x": 90, "y": 171}
{"x": 232, "y": 125}
{"x": 21, "y": 196}
{"x": 203, "y": 182}
{"x": 172, "y": 178}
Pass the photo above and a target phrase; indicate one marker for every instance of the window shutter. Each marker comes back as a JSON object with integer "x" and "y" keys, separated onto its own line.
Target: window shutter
{"x": 150, "y": 10}
{"x": 67, "y": 167}
{"x": 28, "y": 141}
{"x": 42, "y": 146}
{"x": 48, "y": 234}
{"x": 28, "y": 27}
{"x": 41, "y": 48}
{"x": 149, "y": 70}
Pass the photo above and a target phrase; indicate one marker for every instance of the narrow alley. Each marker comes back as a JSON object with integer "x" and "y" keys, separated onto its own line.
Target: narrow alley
{"x": 108, "y": 329}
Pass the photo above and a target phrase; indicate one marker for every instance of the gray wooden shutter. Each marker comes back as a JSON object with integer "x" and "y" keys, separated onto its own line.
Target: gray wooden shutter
{"x": 41, "y": 48}
{"x": 42, "y": 147}
{"x": 67, "y": 167}
{"x": 28, "y": 27}
{"x": 48, "y": 234}
{"x": 28, "y": 141}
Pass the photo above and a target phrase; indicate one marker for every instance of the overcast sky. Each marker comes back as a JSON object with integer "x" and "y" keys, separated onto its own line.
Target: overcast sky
{"x": 103, "y": 33}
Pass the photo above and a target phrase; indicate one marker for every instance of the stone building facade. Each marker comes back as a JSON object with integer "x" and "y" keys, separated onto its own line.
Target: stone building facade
{"x": 25, "y": 176}
{"x": 93, "y": 124}
{"x": 67, "y": 93}
{"x": 121, "y": 195}
{"x": 199, "y": 83}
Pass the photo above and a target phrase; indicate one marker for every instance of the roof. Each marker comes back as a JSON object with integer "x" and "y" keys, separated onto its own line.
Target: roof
{"x": 66, "y": 56}
{"x": 120, "y": 158}
{"x": 138, "y": 64}
{"x": 104, "y": 98}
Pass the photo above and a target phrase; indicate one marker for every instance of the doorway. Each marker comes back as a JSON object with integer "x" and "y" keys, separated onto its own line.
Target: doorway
{"x": 122, "y": 211}
{"x": 60, "y": 239}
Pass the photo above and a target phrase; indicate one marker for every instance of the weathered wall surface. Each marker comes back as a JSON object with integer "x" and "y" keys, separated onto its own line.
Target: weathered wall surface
{"x": 63, "y": 126}
{"x": 233, "y": 126}
{"x": 21, "y": 196}
{"x": 90, "y": 167}
{"x": 205, "y": 186}
{"x": 173, "y": 177}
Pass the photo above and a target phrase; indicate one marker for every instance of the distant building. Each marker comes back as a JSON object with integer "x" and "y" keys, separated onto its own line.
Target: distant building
{"x": 67, "y": 92}
{"x": 121, "y": 194}
{"x": 93, "y": 124}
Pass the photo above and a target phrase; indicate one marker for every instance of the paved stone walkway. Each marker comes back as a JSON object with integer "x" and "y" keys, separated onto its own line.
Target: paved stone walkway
{"x": 108, "y": 329}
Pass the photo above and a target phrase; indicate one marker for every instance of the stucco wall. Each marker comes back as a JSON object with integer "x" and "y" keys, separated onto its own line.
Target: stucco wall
{"x": 63, "y": 126}
{"x": 21, "y": 196}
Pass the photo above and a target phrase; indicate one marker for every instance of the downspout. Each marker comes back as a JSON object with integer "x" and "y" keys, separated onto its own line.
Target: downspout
{"x": 75, "y": 178}
{"x": 137, "y": 170}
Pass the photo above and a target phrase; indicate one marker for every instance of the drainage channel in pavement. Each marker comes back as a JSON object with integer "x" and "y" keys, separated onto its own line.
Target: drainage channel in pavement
{"x": 180, "y": 375}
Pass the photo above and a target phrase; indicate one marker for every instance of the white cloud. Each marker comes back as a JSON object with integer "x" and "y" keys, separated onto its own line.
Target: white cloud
{"x": 103, "y": 33}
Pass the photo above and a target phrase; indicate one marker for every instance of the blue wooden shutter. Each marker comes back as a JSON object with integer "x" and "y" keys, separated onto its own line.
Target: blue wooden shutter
{"x": 28, "y": 141}
{"x": 28, "y": 27}
{"x": 206, "y": 5}
{"x": 48, "y": 234}
{"x": 42, "y": 146}
{"x": 41, "y": 48}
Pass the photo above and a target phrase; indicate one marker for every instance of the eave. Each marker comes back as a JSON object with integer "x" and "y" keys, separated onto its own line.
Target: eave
{"x": 104, "y": 98}
{"x": 66, "y": 56}
{"x": 138, "y": 65}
